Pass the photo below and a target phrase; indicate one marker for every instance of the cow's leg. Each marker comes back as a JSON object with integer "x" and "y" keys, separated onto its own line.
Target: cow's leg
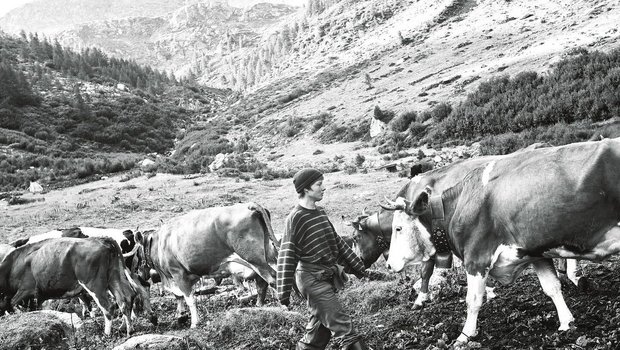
{"x": 183, "y": 287}
{"x": 426, "y": 272}
{"x": 261, "y": 288}
{"x": 571, "y": 271}
{"x": 475, "y": 294}
{"x": 552, "y": 287}
{"x": 102, "y": 300}
{"x": 190, "y": 300}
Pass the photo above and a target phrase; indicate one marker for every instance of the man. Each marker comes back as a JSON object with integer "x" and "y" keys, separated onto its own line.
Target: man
{"x": 313, "y": 256}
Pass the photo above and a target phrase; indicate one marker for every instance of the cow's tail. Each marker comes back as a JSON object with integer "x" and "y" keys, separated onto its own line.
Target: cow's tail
{"x": 271, "y": 250}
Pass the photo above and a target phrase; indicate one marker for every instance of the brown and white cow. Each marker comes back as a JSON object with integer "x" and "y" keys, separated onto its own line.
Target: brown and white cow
{"x": 514, "y": 211}
{"x": 133, "y": 253}
{"x": 198, "y": 243}
{"x": 374, "y": 231}
{"x": 67, "y": 267}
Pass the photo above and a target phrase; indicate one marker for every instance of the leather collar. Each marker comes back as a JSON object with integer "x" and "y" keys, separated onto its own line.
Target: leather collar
{"x": 439, "y": 234}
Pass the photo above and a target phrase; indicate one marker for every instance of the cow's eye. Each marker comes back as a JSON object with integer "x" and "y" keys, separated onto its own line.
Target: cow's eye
{"x": 398, "y": 228}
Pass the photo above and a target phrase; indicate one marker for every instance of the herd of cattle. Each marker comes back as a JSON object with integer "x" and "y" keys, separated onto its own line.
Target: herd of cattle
{"x": 498, "y": 214}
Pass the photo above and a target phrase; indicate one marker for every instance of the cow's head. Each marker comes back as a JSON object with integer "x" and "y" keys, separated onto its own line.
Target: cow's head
{"x": 144, "y": 263}
{"x": 137, "y": 257}
{"x": 372, "y": 236}
{"x": 411, "y": 239}
{"x": 141, "y": 301}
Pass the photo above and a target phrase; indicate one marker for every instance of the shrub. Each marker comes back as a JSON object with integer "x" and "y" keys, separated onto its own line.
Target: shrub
{"x": 417, "y": 130}
{"x": 384, "y": 116}
{"x": 320, "y": 120}
{"x": 359, "y": 159}
{"x": 441, "y": 112}
{"x": 402, "y": 122}
{"x": 291, "y": 96}
{"x": 346, "y": 133}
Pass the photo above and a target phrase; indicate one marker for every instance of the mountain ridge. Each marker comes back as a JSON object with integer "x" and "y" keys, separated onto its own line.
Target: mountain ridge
{"x": 348, "y": 58}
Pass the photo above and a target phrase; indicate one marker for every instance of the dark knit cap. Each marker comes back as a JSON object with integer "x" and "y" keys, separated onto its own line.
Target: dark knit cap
{"x": 305, "y": 178}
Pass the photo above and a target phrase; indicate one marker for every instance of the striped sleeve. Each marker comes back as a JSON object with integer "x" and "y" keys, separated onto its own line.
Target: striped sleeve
{"x": 354, "y": 262}
{"x": 287, "y": 262}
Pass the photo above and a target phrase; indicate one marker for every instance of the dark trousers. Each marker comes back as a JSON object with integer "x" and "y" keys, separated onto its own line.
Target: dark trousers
{"x": 328, "y": 316}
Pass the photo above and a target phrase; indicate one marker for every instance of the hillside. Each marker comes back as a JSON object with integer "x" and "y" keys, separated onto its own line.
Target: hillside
{"x": 315, "y": 81}
{"x": 67, "y": 116}
{"x": 449, "y": 47}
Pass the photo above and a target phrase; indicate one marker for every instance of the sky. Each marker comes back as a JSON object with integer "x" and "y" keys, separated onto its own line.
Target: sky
{"x": 8, "y": 5}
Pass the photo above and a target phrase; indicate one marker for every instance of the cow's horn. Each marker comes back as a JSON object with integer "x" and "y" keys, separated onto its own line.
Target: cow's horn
{"x": 392, "y": 205}
{"x": 132, "y": 252}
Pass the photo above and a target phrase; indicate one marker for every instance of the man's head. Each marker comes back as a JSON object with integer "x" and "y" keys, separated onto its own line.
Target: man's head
{"x": 305, "y": 178}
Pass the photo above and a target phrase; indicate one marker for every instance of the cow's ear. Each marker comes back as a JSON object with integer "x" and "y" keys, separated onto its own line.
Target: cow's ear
{"x": 138, "y": 237}
{"x": 420, "y": 204}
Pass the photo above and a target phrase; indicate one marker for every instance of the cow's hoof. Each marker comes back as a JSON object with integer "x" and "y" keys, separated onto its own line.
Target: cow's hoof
{"x": 417, "y": 306}
{"x": 584, "y": 284}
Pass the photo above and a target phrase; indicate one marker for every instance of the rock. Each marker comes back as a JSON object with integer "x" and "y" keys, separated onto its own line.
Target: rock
{"x": 146, "y": 162}
{"x": 218, "y": 162}
{"x": 71, "y": 320}
{"x": 376, "y": 127}
{"x": 37, "y": 329}
{"x": 153, "y": 342}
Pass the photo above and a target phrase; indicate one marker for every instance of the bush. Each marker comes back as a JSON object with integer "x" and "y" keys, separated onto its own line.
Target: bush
{"x": 320, "y": 120}
{"x": 383, "y": 116}
{"x": 359, "y": 159}
{"x": 346, "y": 133}
{"x": 584, "y": 87}
{"x": 402, "y": 122}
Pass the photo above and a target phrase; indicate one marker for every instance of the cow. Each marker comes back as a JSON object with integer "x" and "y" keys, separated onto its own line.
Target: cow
{"x": 518, "y": 210}
{"x": 5, "y": 249}
{"x": 70, "y": 232}
{"x": 67, "y": 267}
{"x": 198, "y": 243}
{"x": 133, "y": 253}
{"x": 374, "y": 231}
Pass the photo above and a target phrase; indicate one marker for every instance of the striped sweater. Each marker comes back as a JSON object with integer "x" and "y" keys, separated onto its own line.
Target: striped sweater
{"x": 309, "y": 236}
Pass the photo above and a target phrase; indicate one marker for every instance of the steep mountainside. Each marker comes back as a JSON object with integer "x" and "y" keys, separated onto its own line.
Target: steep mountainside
{"x": 336, "y": 61}
{"x": 184, "y": 37}
{"x": 50, "y": 16}
{"x": 410, "y": 56}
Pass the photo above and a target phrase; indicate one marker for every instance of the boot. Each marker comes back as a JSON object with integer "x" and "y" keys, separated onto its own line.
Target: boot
{"x": 358, "y": 345}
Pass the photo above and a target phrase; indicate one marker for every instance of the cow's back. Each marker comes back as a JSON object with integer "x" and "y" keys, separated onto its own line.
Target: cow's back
{"x": 199, "y": 241}
{"x": 202, "y": 238}
{"x": 547, "y": 196}
{"x": 59, "y": 260}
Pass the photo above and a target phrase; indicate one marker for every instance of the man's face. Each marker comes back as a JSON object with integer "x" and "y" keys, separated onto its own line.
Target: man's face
{"x": 316, "y": 190}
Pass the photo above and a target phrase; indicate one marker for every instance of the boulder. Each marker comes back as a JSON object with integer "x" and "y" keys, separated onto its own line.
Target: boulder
{"x": 218, "y": 162}
{"x": 153, "y": 342}
{"x": 376, "y": 127}
{"x": 37, "y": 329}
